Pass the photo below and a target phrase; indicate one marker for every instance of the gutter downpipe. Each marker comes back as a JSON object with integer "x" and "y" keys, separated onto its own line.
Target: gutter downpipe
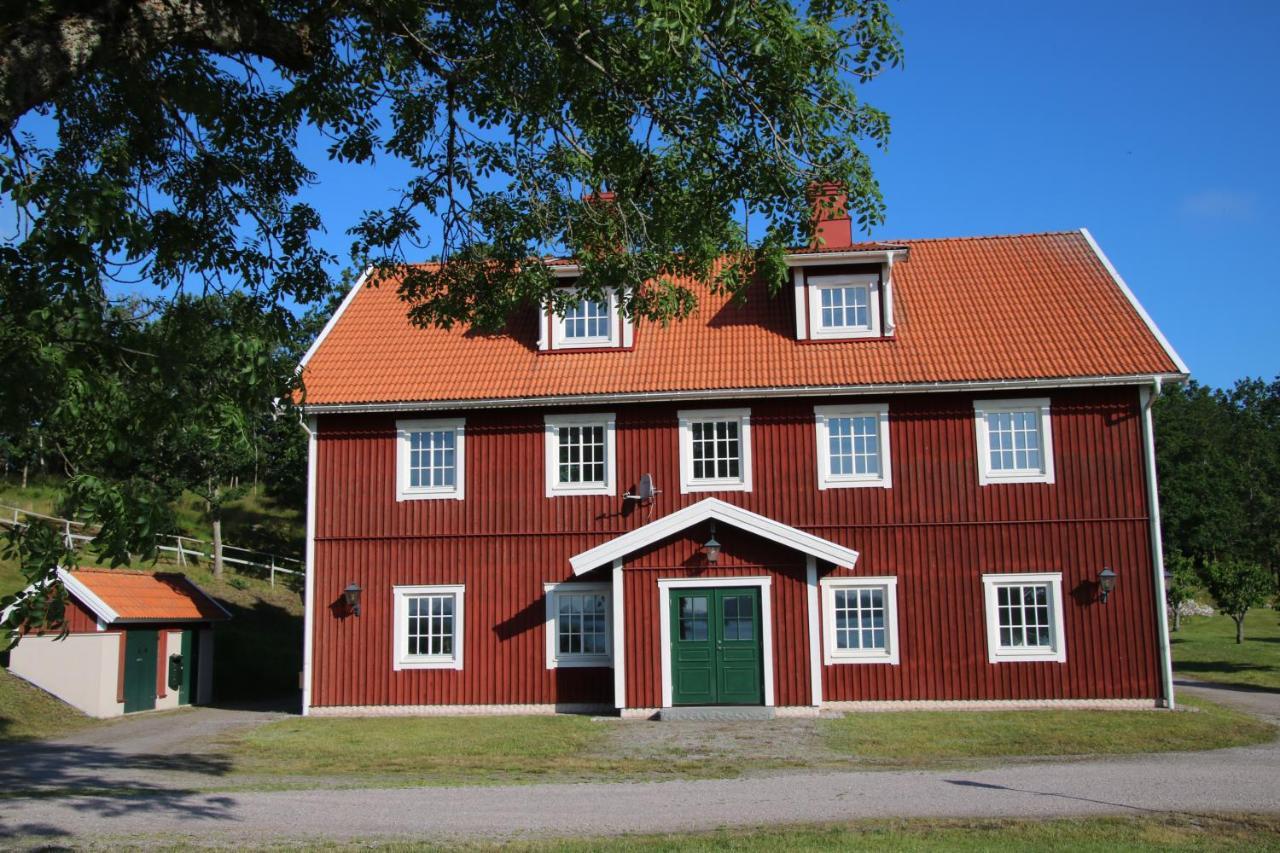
{"x": 1147, "y": 399}
{"x": 309, "y": 424}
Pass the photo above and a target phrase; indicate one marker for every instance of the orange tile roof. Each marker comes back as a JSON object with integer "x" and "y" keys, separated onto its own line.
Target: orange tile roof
{"x": 1035, "y": 306}
{"x": 142, "y": 596}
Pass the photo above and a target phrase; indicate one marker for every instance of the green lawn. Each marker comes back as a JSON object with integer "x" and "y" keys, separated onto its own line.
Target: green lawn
{"x": 28, "y": 713}
{"x": 1206, "y": 648}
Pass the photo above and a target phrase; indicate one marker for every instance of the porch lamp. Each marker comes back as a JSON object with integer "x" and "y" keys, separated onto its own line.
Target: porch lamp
{"x": 711, "y": 548}
{"x": 1106, "y": 583}
{"x": 352, "y": 596}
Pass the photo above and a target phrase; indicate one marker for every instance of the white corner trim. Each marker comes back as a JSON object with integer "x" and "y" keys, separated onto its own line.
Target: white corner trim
{"x": 822, "y": 416}
{"x": 556, "y": 660}
{"x": 619, "y": 639}
{"x": 551, "y": 443}
{"x": 309, "y": 585}
{"x": 1057, "y": 652}
{"x": 333, "y": 321}
{"x": 831, "y": 654}
{"x": 802, "y": 313}
{"x": 458, "y": 491}
{"x": 87, "y": 597}
{"x": 704, "y": 510}
{"x": 887, "y": 285}
{"x": 1145, "y": 399}
{"x": 741, "y": 483}
{"x": 400, "y": 657}
{"x": 817, "y": 283}
{"x": 988, "y": 476}
{"x": 765, "y": 583}
{"x": 815, "y": 643}
{"x": 1133, "y": 300}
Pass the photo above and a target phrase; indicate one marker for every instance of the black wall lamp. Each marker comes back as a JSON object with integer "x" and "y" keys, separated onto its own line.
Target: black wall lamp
{"x": 1106, "y": 583}
{"x": 352, "y": 596}
{"x": 711, "y": 548}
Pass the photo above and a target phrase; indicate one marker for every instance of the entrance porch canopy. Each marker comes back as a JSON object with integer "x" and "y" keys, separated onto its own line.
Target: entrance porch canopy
{"x": 717, "y": 510}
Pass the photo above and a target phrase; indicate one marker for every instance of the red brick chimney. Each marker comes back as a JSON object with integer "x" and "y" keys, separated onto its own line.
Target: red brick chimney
{"x": 833, "y": 229}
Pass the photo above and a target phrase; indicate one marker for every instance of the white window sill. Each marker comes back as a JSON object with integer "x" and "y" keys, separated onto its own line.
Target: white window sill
{"x": 1016, "y": 477}
{"x": 428, "y": 663}
{"x": 452, "y": 494}
{"x": 714, "y": 486}
{"x": 851, "y": 483}
{"x": 878, "y": 656}
{"x": 570, "y": 491}
{"x": 595, "y": 661}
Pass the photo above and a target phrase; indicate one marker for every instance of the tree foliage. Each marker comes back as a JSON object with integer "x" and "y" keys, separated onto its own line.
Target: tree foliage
{"x": 1238, "y": 586}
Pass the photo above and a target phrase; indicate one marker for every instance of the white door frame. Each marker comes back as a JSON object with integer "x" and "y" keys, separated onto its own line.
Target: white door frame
{"x": 665, "y": 585}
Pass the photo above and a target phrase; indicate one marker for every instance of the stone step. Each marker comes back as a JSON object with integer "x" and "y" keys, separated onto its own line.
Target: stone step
{"x": 716, "y": 713}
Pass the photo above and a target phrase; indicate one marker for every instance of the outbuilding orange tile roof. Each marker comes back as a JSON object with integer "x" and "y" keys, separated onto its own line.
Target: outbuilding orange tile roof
{"x": 141, "y": 596}
{"x": 1023, "y": 307}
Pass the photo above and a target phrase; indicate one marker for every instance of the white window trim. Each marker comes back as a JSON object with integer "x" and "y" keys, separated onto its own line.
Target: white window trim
{"x": 686, "y": 417}
{"x": 818, "y": 282}
{"x": 827, "y": 480}
{"x": 1057, "y": 652}
{"x": 613, "y": 340}
{"x": 551, "y": 431}
{"x": 988, "y": 476}
{"x": 556, "y": 660}
{"x": 401, "y": 659}
{"x": 405, "y": 492}
{"x": 665, "y": 585}
{"x": 833, "y": 655}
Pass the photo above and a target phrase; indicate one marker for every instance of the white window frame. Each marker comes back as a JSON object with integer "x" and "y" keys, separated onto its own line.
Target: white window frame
{"x": 558, "y": 660}
{"x": 405, "y": 492}
{"x": 817, "y": 283}
{"x": 401, "y": 659}
{"x": 987, "y": 476}
{"x": 832, "y": 654}
{"x": 996, "y": 653}
{"x": 826, "y": 480}
{"x": 551, "y": 432}
{"x": 688, "y": 484}
{"x": 612, "y": 340}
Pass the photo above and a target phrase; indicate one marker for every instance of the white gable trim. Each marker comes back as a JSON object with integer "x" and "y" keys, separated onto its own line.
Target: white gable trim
{"x": 87, "y": 597}
{"x": 333, "y": 321}
{"x": 718, "y": 510}
{"x": 1133, "y": 300}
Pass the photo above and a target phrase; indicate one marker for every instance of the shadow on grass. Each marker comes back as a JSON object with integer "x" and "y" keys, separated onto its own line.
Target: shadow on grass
{"x": 1218, "y": 666}
{"x": 1192, "y": 681}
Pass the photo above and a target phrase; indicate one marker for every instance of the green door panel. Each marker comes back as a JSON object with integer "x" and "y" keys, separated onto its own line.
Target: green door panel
{"x": 716, "y": 647}
{"x": 140, "y": 670}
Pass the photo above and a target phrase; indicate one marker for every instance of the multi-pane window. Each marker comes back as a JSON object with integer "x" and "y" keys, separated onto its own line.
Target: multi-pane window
{"x": 429, "y": 459}
{"x": 845, "y": 307}
{"x": 1015, "y": 441}
{"x": 715, "y": 450}
{"x": 693, "y": 618}
{"x": 853, "y": 445}
{"x": 428, "y": 627}
{"x": 578, "y": 624}
{"x": 580, "y": 454}
{"x": 1024, "y": 616}
{"x": 739, "y": 617}
{"x": 587, "y": 319}
{"x": 860, "y": 617}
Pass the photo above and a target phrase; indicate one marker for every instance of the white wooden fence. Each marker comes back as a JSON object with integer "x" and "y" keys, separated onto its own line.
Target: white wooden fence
{"x": 186, "y": 550}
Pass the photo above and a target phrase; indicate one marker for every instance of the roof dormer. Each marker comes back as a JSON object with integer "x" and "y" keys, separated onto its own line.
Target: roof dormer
{"x": 586, "y": 323}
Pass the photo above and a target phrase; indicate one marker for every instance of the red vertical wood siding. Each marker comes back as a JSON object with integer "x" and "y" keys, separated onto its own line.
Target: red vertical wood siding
{"x": 937, "y": 530}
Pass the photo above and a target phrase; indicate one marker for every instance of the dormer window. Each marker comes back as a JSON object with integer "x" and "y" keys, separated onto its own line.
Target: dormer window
{"x": 587, "y": 321}
{"x": 844, "y": 306}
{"x": 585, "y": 324}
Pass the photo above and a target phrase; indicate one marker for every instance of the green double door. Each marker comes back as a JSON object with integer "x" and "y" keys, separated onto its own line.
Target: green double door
{"x": 716, "y": 651}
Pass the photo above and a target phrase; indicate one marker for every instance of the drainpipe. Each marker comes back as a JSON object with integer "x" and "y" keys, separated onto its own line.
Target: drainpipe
{"x": 309, "y": 425}
{"x": 1147, "y": 399}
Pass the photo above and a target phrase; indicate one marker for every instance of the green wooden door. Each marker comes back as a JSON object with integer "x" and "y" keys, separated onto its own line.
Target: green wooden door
{"x": 140, "y": 670}
{"x": 188, "y": 667}
{"x": 716, "y": 650}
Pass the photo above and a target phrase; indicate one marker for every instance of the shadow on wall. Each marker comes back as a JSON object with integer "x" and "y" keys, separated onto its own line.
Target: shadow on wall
{"x": 257, "y": 654}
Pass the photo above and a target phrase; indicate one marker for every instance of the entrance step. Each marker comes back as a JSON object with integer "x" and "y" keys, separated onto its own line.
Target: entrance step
{"x": 716, "y": 713}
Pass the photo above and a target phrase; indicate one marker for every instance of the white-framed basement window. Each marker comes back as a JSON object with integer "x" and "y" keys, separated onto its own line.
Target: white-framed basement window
{"x": 430, "y": 459}
{"x": 579, "y": 624}
{"x": 580, "y": 454}
{"x": 1024, "y": 617}
{"x": 860, "y": 620}
{"x": 853, "y": 446}
{"x": 844, "y": 306}
{"x": 587, "y": 323}
{"x": 1015, "y": 441}
{"x": 715, "y": 450}
{"x": 428, "y": 626}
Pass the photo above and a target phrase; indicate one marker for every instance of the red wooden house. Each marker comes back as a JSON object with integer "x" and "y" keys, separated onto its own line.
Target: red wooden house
{"x": 901, "y": 480}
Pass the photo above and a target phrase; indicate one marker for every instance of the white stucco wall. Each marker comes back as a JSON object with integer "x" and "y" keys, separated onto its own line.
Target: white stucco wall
{"x": 81, "y": 669}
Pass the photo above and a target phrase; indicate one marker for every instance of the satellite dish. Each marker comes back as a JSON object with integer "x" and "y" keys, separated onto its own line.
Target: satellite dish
{"x": 644, "y": 490}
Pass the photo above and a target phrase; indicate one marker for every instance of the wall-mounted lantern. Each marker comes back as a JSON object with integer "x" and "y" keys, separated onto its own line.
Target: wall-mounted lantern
{"x": 352, "y": 596}
{"x": 1106, "y": 583}
{"x": 711, "y": 548}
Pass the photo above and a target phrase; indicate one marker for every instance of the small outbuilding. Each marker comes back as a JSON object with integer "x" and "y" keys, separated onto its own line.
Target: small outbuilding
{"x": 134, "y": 641}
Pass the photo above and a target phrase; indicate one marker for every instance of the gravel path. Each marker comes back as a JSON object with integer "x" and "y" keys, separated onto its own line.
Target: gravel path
{"x": 1245, "y": 779}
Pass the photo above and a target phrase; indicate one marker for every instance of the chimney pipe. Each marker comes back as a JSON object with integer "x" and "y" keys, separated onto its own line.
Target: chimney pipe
{"x": 832, "y": 227}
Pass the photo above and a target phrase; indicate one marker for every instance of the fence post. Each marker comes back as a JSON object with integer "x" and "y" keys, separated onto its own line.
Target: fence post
{"x": 71, "y": 543}
{"x": 273, "y": 570}
{"x": 182, "y": 553}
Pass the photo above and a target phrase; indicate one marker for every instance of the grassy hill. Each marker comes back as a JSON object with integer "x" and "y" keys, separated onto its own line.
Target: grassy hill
{"x": 259, "y": 652}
